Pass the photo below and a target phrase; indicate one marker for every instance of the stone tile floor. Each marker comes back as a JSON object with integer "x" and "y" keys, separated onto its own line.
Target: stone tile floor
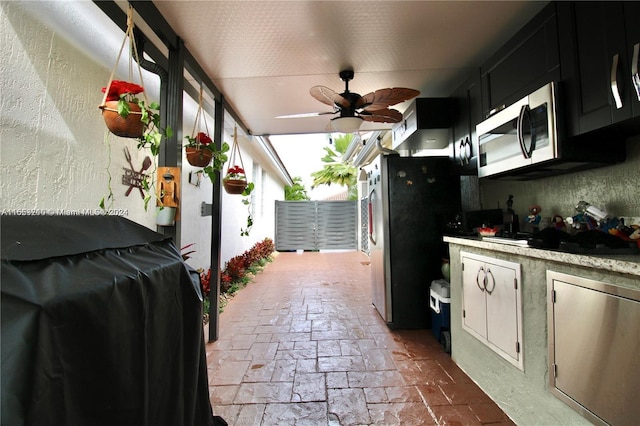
{"x": 303, "y": 345}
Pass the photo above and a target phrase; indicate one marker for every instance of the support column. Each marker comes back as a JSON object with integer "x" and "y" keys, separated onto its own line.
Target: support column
{"x": 216, "y": 228}
{"x": 171, "y": 99}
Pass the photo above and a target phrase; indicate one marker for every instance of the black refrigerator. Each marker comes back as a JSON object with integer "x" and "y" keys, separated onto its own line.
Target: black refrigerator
{"x": 410, "y": 201}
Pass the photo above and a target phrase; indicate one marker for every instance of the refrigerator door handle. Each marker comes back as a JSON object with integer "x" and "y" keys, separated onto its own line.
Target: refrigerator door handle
{"x": 371, "y": 223}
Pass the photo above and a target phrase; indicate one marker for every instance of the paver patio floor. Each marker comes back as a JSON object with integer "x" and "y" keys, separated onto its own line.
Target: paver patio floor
{"x": 303, "y": 345}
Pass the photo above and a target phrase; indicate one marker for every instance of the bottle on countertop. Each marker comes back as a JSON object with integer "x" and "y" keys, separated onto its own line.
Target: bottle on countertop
{"x": 510, "y": 220}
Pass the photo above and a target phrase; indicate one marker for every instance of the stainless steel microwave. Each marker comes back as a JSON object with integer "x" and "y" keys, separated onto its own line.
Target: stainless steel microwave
{"x": 519, "y": 135}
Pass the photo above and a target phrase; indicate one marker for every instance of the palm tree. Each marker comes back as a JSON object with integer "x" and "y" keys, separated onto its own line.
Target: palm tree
{"x": 336, "y": 170}
{"x": 296, "y": 192}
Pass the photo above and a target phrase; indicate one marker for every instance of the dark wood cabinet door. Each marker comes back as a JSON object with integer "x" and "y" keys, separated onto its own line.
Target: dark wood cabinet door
{"x": 632, "y": 25}
{"x": 468, "y": 99}
{"x": 524, "y": 64}
{"x": 601, "y": 46}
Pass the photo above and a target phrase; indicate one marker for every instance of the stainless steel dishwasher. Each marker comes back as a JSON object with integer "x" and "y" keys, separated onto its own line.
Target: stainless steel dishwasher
{"x": 594, "y": 348}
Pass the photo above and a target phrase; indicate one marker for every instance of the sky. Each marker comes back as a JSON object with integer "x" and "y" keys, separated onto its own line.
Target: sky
{"x": 301, "y": 155}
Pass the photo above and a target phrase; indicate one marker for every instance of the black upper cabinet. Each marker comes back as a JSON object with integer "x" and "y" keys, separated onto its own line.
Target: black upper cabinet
{"x": 524, "y": 64}
{"x": 597, "y": 42}
{"x": 632, "y": 26}
{"x": 631, "y": 10}
{"x": 468, "y": 100}
{"x": 587, "y": 47}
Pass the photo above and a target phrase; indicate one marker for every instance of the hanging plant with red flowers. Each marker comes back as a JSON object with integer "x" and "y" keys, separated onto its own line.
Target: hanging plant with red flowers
{"x": 129, "y": 116}
{"x": 235, "y": 173}
{"x": 200, "y": 149}
{"x": 201, "y": 139}
{"x": 128, "y": 113}
{"x": 121, "y": 90}
{"x": 235, "y": 181}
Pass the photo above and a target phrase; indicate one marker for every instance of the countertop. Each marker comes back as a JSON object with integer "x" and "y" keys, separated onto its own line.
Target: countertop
{"x": 624, "y": 264}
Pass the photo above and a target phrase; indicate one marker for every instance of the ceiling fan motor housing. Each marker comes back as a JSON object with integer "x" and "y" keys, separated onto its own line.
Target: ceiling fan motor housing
{"x": 350, "y": 110}
{"x": 346, "y": 75}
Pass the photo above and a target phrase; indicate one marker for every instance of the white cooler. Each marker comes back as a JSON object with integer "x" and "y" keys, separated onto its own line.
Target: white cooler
{"x": 440, "y": 303}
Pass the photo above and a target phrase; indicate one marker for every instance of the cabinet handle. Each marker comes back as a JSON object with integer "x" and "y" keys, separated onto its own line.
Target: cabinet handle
{"x": 496, "y": 109}
{"x": 614, "y": 82}
{"x": 484, "y": 277}
{"x": 467, "y": 150}
{"x": 635, "y": 78}
{"x": 493, "y": 281}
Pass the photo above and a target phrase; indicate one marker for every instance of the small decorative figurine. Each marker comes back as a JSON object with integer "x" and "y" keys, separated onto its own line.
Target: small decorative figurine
{"x": 510, "y": 205}
{"x": 534, "y": 217}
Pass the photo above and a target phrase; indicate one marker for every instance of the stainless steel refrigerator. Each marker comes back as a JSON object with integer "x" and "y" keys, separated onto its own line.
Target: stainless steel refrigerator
{"x": 410, "y": 201}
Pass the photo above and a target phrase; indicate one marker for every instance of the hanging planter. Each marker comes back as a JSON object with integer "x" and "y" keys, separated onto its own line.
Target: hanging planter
{"x": 200, "y": 149}
{"x": 120, "y": 110}
{"x": 198, "y": 152}
{"x": 235, "y": 181}
{"x": 125, "y": 114}
{"x": 128, "y": 113}
{"x": 198, "y": 157}
{"x": 130, "y": 127}
{"x": 235, "y": 186}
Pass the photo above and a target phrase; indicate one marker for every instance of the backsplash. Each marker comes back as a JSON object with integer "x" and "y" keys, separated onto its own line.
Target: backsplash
{"x": 615, "y": 189}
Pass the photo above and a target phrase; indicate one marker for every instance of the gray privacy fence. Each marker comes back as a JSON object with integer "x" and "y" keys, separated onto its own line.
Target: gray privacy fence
{"x": 316, "y": 225}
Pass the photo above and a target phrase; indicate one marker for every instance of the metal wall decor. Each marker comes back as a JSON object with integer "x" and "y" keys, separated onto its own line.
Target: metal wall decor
{"x": 134, "y": 178}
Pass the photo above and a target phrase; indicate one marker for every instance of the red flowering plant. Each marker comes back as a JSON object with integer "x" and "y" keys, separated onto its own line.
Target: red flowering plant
{"x": 235, "y": 173}
{"x": 124, "y": 93}
{"x": 201, "y": 141}
{"x": 205, "y": 280}
{"x": 119, "y": 88}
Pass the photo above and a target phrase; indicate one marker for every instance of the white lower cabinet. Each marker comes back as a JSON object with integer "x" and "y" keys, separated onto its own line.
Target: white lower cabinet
{"x": 491, "y": 304}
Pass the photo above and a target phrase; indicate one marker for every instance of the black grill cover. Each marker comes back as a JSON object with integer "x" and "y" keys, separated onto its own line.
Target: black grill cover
{"x": 101, "y": 325}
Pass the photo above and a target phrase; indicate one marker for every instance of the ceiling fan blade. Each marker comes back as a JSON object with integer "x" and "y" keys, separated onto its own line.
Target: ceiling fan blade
{"x": 383, "y": 98}
{"x": 386, "y": 115}
{"x": 306, "y": 114}
{"x": 328, "y": 96}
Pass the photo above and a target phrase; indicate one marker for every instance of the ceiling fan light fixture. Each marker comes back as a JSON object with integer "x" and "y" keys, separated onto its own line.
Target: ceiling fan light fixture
{"x": 346, "y": 124}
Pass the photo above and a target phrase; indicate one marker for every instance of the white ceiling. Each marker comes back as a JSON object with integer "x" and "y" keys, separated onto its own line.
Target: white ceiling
{"x": 264, "y": 56}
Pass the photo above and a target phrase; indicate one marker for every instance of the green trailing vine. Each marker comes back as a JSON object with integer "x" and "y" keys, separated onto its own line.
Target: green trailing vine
{"x": 244, "y": 232}
{"x": 217, "y": 162}
{"x": 110, "y": 196}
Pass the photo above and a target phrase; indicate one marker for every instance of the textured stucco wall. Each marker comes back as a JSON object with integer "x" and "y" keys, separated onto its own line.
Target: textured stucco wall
{"x": 197, "y": 229}
{"x": 615, "y": 189}
{"x": 53, "y": 155}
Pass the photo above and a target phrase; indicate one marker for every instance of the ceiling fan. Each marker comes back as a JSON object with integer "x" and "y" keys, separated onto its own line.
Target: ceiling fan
{"x": 354, "y": 109}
